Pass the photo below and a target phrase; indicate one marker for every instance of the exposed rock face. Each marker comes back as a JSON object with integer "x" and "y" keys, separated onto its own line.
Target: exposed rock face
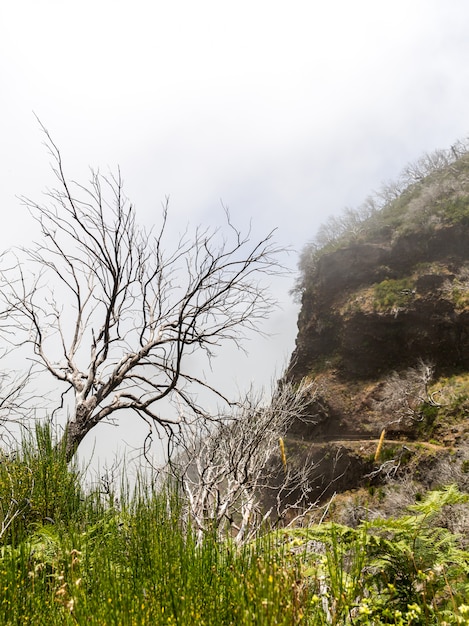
{"x": 379, "y": 309}
{"x": 344, "y": 324}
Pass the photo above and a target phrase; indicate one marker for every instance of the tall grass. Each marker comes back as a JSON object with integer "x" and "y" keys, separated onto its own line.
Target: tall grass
{"x": 69, "y": 557}
{"x": 37, "y": 486}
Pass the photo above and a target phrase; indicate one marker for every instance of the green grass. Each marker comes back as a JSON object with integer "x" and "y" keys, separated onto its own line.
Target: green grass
{"x": 71, "y": 558}
{"x": 142, "y": 566}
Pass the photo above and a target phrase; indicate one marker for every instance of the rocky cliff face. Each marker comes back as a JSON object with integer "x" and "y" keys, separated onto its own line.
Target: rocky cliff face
{"x": 384, "y": 325}
{"x": 375, "y": 307}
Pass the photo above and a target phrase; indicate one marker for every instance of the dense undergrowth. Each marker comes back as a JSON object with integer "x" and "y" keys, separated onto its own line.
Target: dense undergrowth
{"x": 70, "y": 556}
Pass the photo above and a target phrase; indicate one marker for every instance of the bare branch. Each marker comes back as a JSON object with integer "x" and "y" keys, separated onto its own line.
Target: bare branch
{"x": 403, "y": 394}
{"x": 225, "y": 470}
{"x": 113, "y": 312}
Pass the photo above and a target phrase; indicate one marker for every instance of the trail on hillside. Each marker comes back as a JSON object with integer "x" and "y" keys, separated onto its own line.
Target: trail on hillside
{"x": 358, "y": 438}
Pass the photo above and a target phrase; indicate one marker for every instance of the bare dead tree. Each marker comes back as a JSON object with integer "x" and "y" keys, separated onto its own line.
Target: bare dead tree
{"x": 390, "y": 467}
{"x": 113, "y": 311}
{"x": 225, "y": 471}
{"x": 403, "y": 393}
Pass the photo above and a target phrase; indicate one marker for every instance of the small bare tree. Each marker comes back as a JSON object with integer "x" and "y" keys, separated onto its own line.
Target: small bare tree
{"x": 114, "y": 311}
{"x": 403, "y": 393}
{"x": 226, "y": 471}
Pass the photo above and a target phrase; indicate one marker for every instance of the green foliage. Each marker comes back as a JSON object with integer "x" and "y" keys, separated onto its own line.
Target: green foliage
{"x": 389, "y": 571}
{"x": 142, "y": 563}
{"x": 460, "y": 295}
{"x": 429, "y": 415}
{"x": 429, "y": 412}
{"x": 393, "y": 293}
{"x": 456, "y": 210}
{"x": 36, "y": 486}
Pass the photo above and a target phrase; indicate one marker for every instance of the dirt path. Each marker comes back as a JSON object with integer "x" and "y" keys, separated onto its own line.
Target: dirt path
{"x": 359, "y": 439}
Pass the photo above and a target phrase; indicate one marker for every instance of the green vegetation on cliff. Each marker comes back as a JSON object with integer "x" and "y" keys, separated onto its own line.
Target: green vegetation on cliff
{"x": 386, "y": 284}
{"x": 383, "y": 332}
{"x": 430, "y": 194}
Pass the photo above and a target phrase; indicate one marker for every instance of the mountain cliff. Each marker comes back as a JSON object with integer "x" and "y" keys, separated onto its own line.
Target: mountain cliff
{"x": 383, "y": 332}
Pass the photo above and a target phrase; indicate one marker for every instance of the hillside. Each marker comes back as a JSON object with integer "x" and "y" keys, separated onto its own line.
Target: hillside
{"x": 383, "y": 331}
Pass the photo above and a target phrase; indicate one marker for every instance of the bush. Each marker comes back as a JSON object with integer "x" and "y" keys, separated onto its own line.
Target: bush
{"x": 393, "y": 293}
{"x": 36, "y": 486}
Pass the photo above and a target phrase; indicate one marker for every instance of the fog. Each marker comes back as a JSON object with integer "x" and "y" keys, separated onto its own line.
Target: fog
{"x": 284, "y": 113}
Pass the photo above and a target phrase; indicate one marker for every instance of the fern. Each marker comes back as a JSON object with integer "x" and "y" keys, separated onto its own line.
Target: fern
{"x": 406, "y": 570}
{"x": 434, "y": 501}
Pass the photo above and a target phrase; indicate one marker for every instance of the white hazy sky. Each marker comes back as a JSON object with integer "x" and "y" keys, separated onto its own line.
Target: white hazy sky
{"x": 287, "y": 112}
